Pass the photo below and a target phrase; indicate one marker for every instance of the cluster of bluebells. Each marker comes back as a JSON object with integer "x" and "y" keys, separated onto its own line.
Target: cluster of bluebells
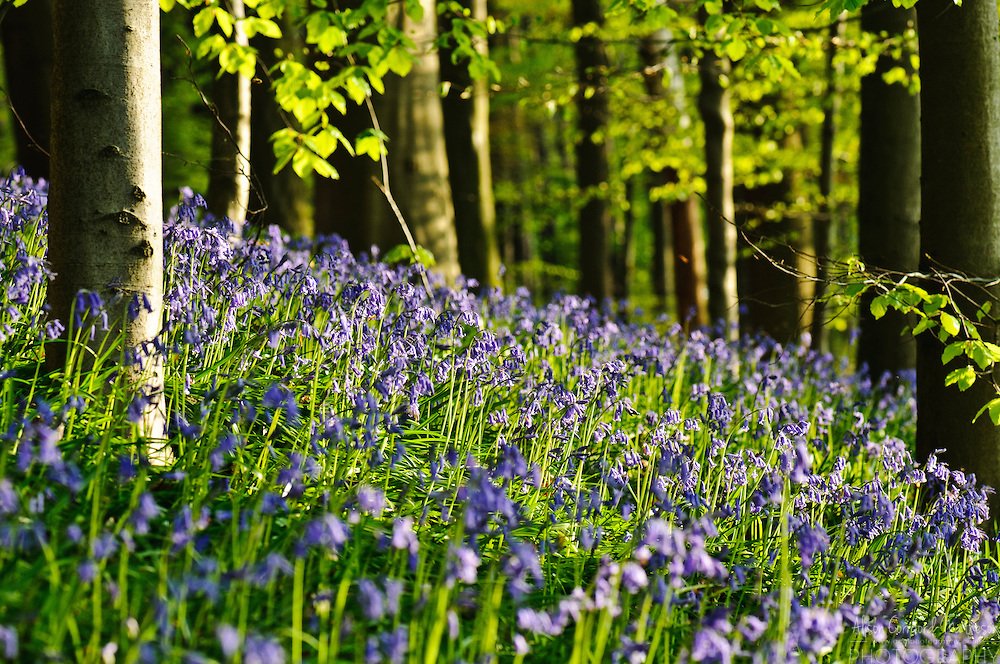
{"x": 367, "y": 471}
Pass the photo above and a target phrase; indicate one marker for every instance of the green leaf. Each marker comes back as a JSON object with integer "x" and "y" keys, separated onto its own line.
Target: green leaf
{"x": 356, "y": 89}
{"x": 879, "y": 306}
{"x": 950, "y": 324}
{"x": 371, "y": 144}
{"x": 951, "y": 351}
{"x": 984, "y": 311}
{"x": 202, "y": 21}
{"x": 853, "y": 290}
{"x": 225, "y": 21}
{"x": 994, "y": 408}
{"x": 736, "y": 49}
{"x": 402, "y": 253}
{"x": 934, "y": 303}
{"x": 399, "y": 61}
{"x": 924, "y": 324}
{"x": 165, "y": 5}
{"x": 977, "y": 351}
{"x": 964, "y": 378}
{"x": 210, "y": 46}
{"x": 258, "y": 26}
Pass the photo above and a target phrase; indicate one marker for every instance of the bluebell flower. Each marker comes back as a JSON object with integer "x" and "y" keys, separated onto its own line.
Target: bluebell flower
{"x": 104, "y": 546}
{"x": 370, "y": 599}
{"x": 327, "y": 532}
{"x": 9, "y": 501}
{"x": 262, "y": 650}
{"x": 371, "y": 500}
{"x": 146, "y": 510}
{"x": 8, "y": 639}
{"x": 634, "y": 578}
{"x": 229, "y": 640}
{"x": 463, "y": 565}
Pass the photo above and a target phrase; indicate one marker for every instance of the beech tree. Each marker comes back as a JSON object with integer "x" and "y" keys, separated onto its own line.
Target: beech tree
{"x": 466, "y": 109}
{"x": 229, "y": 175}
{"x": 595, "y": 253}
{"x": 888, "y": 188}
{"x": 959, "y": 214}
{"x": 717, "y": 117}
{"x": 410, "y": 114}
{"x": 676, "y": 227}
{"x": 105, "y": 205}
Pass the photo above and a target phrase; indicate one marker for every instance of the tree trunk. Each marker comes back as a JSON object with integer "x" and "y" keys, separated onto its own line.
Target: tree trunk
{"x": 347, "y": 206}
{"x": 466, "y": 109}
{"x": 685, "y": 227}
{"x": 280, "y": 198}
{"x": 659, "y": 221}
{"x": 595, "y": 253}
{"x": 229, "y": 177}
{"x": 105, "y": 203}
{"x": 888, "y": 192}
{"x": 410, "y": 114}
{"x": 713, "y": 104}
{"x": 677, "y": 238}
{"x": 27, "y": 54}
{"x": 769, "y": 296}
{"x": 823, "y": 221}
{"x": 959, "y": 213}
{"x": 624, "y": 255}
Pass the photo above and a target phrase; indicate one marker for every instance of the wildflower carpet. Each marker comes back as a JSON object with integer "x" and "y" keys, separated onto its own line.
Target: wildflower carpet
{"x": 369, "y": 472}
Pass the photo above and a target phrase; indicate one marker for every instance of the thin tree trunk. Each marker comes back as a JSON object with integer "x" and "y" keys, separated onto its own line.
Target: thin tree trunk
{"x": 653, "y": 52}
{"x": 659, "y": 221}
{"x": 624, "y": 259}
{"x": 466, "y": 110}
{"x": 959, "y": 214}
{"x": 229, "y": 178}
{"x": 548, "y": 235}
{"x": 888, "y": 192}
{"x": 685, "y": 228}
{"x": 595, "y": 253}
{"x": 26, "y": 32}
{"x": 714, "y": 105}
{"x": 105, "y": 203}
{"x": 280, "y": 198}
{"x": 823, "y": 221}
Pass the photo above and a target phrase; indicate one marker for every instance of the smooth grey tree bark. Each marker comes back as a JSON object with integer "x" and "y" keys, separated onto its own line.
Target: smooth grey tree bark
{"x": 888, "y": 191}
{"x": 229, "y": 177}
{"x": 592, "y": 170}
{"x": 720, "y": 248}
{"x": 410, "y": 114}
{"x": 466, "y": 108}
{"x": 105, "y": 204}
{"x": 26, "y": 32}
{"x": 960, "y": 213}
